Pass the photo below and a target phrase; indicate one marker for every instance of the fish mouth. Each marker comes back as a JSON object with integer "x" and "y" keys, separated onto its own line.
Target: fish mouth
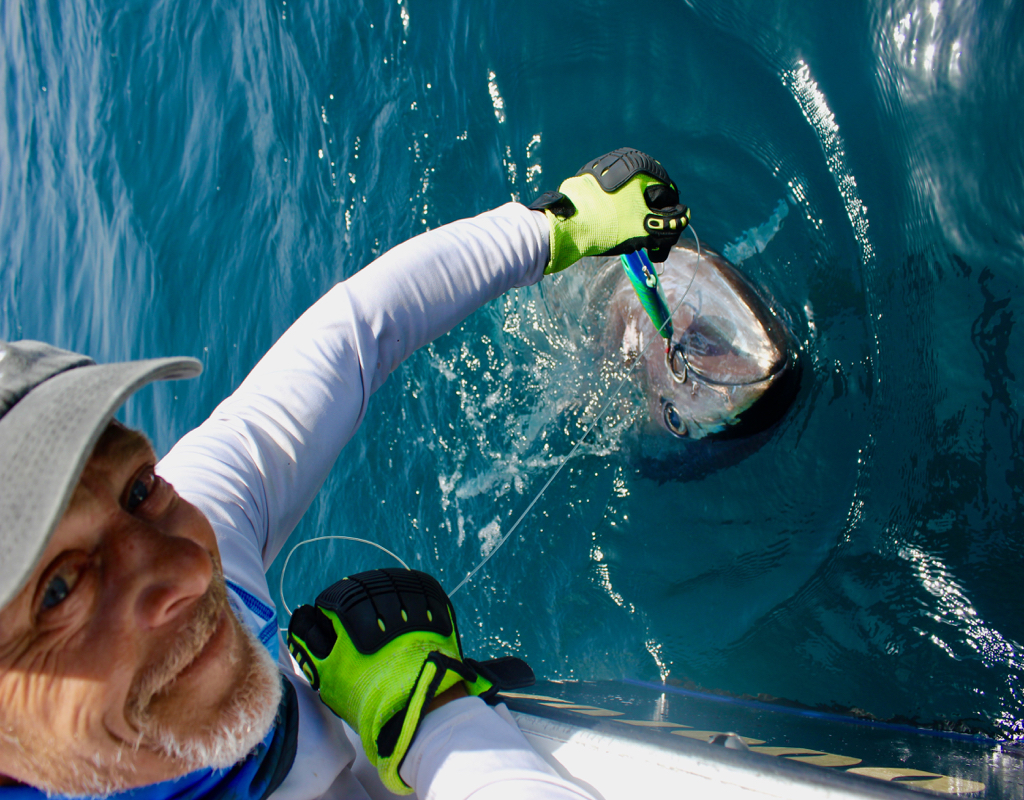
{"x": 681, "y": 368}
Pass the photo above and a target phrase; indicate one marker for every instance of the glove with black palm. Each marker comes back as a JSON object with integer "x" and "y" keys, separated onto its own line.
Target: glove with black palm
{"x": 379, "y": 646}
{"x": 616, "y": 204}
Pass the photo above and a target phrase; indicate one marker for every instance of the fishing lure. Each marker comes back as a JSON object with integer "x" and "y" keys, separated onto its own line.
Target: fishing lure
{"x": 644, "y": 277}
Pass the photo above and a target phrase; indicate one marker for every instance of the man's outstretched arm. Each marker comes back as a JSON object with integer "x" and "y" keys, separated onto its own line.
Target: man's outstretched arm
{"x": 256, "y": 464}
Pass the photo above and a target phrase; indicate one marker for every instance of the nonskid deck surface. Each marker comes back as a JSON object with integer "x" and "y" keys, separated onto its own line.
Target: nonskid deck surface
{"x": 629, "y": 739}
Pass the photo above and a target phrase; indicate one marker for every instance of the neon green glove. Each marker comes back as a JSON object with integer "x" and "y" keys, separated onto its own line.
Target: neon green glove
{"x": 616, "y": 204}
{"x": 379, "y": 647}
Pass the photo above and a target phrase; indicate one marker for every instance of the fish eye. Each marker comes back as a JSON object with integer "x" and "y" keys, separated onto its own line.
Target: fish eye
{"x": 674, "y": 422}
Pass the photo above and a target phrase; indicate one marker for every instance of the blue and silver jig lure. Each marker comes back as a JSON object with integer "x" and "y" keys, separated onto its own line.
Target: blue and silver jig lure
{"x": 644, "y": 277}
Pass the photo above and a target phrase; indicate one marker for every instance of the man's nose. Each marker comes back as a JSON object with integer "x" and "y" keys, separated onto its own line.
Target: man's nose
{"x": 163, "y": 575}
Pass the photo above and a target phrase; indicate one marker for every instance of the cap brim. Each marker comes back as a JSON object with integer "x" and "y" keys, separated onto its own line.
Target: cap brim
{"x": 46, "y": 440}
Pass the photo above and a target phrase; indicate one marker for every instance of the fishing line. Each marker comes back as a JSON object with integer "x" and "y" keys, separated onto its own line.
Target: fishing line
{"x": 284, "y": 568}
{"x": 536, "y": 497}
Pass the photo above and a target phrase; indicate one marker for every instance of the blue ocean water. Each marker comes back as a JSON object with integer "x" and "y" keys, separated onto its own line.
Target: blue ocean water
{"x": 181, "y": 178}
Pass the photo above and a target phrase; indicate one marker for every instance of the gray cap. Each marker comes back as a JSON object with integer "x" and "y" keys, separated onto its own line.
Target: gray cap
{"x": 54, "y": 404}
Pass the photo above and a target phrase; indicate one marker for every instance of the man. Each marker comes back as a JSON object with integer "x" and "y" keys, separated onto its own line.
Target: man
{"x": 138, "y": 640}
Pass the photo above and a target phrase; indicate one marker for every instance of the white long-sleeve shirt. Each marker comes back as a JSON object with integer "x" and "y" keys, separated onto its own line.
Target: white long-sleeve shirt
{"x": 256, "y": 464}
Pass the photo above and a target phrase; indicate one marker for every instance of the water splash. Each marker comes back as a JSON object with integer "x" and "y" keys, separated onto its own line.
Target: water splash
{"x": 754, "y": 240}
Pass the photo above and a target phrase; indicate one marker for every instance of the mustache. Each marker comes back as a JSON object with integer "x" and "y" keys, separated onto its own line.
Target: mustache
{"x": 187, "y": 646}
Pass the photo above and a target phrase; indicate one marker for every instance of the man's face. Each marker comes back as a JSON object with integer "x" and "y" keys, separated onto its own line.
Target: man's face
{"x": 121, "y": 663}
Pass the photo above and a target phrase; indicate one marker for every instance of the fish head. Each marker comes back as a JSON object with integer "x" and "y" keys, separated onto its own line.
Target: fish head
{"x": 732, "y": 368}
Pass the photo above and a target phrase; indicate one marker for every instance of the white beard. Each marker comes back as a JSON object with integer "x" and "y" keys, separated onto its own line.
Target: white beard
{"x": 242, "y": 726}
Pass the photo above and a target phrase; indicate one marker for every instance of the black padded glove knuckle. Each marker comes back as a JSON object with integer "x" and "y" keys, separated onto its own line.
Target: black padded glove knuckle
{"x": 378, "y": 606}
{"x": 555, "y": 202}
{"x": 661, "y": 197}
{"x": 315, "y": 629}
{"x": 614, "y": 169}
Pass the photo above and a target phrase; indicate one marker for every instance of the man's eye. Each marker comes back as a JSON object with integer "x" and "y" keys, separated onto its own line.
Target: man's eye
{"x": 138, "y": 493}
{"x": 61, "y": 580}
{"x": 140, "y": 489}
{"x": 56, "y": 590}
